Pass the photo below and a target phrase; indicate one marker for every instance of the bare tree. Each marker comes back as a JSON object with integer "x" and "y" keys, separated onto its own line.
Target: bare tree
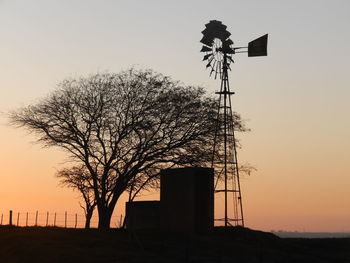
{"x": 125, "y": 127}
{"x": 79, "y": 179}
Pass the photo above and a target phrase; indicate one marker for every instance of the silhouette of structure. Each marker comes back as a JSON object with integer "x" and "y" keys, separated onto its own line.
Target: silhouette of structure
{"x": 186, "y": 203}
{"x": 187, "y": 200}
{"x": 219, "y": 50}
{"x": 142, "y": 215}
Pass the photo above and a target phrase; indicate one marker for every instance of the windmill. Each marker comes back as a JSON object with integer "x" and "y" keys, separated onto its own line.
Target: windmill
{"x": 219, "y": 49}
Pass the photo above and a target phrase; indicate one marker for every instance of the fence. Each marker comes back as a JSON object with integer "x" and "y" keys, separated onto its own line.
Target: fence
{"x": 46, "y": 219}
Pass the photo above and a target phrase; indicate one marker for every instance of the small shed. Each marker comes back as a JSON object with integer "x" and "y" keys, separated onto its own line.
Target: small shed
{"x": 142, "y": 215}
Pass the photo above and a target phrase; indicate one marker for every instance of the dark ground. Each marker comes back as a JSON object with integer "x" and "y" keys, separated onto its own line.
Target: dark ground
{"x": 35, "y": 244}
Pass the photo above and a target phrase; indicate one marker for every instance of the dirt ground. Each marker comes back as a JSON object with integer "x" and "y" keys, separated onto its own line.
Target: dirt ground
{"x": 41, "y": 244}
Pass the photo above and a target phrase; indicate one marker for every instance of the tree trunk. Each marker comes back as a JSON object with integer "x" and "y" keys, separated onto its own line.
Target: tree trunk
{"x": 105, "y": 212}
{"x": 88, "y": 218}
{"x": 104, "y": 218}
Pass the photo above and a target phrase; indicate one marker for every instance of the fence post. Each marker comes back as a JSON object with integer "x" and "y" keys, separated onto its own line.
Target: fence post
{"x": 17, "y": 218}
{"x": 1, "y": 218}
{"x": 76, "y": 220}
{"x": 10, "y": 223}
{"x": 65, "y": 219}
{"x": 27, "y": 219}
{"x": 36, "y": 218}
{"x": 54, "y": 220}
{"x": 47, "y": 218}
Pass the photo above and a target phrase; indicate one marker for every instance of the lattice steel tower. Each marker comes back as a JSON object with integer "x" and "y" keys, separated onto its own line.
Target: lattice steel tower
{"x": 219, "y": 50}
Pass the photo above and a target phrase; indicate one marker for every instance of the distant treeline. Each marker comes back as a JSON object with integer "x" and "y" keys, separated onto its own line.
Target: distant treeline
{"x": 312, "y": 234}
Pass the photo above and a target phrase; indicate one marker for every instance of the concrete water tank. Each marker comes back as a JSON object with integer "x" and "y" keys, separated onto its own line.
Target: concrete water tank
{"x": 187, "y": 200}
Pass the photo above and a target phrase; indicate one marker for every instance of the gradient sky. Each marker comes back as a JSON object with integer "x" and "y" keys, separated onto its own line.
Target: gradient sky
{"x": 296, "y": 101}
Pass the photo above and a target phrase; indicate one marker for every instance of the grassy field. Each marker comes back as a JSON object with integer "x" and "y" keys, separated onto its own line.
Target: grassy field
{"x": 35, "y": 244}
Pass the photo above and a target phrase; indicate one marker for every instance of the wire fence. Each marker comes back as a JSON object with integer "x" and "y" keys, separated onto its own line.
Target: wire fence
{"x": 53, "y": 219}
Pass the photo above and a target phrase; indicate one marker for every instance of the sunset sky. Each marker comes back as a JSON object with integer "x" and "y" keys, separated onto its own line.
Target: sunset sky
{"x": 296, "y": 101}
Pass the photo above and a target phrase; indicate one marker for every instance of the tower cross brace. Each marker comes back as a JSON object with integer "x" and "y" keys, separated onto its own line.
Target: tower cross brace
{"x": 227, "y": 164}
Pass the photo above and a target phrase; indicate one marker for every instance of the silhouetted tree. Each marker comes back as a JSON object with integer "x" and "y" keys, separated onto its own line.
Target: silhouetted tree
{"x": 125, "y": 127}
{"x": 79, "y": 179}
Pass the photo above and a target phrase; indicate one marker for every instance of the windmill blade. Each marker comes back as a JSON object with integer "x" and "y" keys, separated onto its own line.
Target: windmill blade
{"x": 205, "y": 49}
{"x": 229, "y": 42}
{"x": 215, "y": 26}
{"x": 207, "y": 40}
{"x": 216, "y": 70}
{"x": 209, "y": 63}
{"x": 214, "y": 23}
{"x": 207, "y": 56}
{"x": 212, "y": 68}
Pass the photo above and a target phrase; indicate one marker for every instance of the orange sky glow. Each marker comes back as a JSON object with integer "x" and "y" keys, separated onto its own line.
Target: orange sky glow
{"x": 295, "y": 100}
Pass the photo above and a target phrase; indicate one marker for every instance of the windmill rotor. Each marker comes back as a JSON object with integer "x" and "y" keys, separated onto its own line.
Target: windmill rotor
{"x": 216, "y": 45}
